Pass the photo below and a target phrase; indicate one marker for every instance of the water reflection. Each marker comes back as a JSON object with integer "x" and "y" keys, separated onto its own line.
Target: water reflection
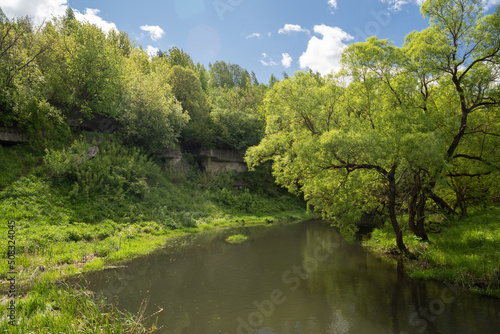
{"x": 295, "y": 279}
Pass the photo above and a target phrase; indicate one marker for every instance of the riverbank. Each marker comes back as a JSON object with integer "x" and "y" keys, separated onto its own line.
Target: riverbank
{"x": 62, "y": 215}
{"x": 463, "y": 251}
{"x": 46, "y": 302}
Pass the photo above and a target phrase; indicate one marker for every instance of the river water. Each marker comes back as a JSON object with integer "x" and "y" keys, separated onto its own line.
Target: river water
{"x": 301, "y": 278}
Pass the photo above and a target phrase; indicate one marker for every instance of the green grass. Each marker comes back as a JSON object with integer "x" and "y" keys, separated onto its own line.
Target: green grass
{"x": 237, "y": 239}
{"x": 15, "y": 161}
{"x": 62, "y": 309}
{"x": 464, "y": 252}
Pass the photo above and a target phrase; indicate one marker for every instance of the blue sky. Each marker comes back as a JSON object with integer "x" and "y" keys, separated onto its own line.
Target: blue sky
{"x": 264, "y": 36}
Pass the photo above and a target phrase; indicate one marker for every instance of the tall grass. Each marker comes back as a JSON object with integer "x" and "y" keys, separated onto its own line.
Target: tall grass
{"x": 63, "y": 309}
{"x": 463, "y": 251}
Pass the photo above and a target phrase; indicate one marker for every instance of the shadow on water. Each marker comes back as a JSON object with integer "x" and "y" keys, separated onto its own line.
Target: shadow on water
{"x": 302, "y": 278}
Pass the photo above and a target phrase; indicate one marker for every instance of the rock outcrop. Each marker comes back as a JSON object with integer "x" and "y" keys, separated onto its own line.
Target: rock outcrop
{"x": 213, "y": 160}
{"x": 7, "y": 136}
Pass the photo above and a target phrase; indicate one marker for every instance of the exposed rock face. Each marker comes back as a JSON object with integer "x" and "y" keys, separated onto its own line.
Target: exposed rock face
{"x": 175, "y": 162}
{"x": 9, "y": 137}
{"x": 98, "y": 123}
{"x": 216, "y": 161}
{"x": 210, "y": 160}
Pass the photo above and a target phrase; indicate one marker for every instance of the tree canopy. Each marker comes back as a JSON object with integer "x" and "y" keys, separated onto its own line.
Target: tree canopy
{"x": 413, "y": 125}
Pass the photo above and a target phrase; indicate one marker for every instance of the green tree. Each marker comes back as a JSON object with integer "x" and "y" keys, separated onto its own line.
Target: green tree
{"x": 462, "y": 46}
{"x": 204, "y": 76}
{"x": 150, "y": 114}
{"x": 255, "y": 81}
{"x": 348, "y": 148}
{"x": 177, "y": 57}
{"x": 121, "y": 41}
{"x": 22, "y": 105}
{"x": 227, "y": 75}
{"x": 235, "y": 129}
{"x": 83, "y": 69}
{"x": 409, "y": 118}
{"x": 220, "y": 76}
{"x": 272, "y": 81}
{"x": 187, "y": 89}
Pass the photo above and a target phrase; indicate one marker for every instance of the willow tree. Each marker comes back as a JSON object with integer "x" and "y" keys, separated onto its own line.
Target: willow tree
{"x": 347, "y": 148}
{"x": 461, "y": 48}
{"x": 389, "y": 139}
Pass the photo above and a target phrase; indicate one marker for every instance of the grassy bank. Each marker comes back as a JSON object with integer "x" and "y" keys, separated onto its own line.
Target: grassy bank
{"x": 70, "y": 214}
{"x": 462, "y": 251}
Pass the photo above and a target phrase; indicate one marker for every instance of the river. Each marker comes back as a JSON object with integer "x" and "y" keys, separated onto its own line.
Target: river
{"x": 300, "y": 278}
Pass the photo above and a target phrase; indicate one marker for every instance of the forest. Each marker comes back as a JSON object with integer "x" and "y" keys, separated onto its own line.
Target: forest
{"x": 407, "y": 135}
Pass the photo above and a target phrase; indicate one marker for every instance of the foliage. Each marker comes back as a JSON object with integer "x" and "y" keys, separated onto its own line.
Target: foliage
{"x": 237, "y": 239}
{"x": 227, "y": 75}
{"x": 236, "y": 129}
{"x": 49, "y": 308}
{"x": 462, "y": 251}
{"x": 16, "y": 161}
{"x": 396, "y": 126}
{"x": 82, "y": 69}
{"x": 177, "y": 57}
{"x": 114, "y": 171}
{"x": 21, "y": 83}
{"x": 69, "y": 72}
{"x": 187, "y": 89}
{"x": 151, "y": 115}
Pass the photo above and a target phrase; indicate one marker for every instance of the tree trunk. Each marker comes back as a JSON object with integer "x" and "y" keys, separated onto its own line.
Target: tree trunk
{"x": 421, "y": 217}
{"x": 412, "y": 213}
{"x": 392, "y": 211}
{"x": 416, "y": 207}
{"x": 441, "y": 203}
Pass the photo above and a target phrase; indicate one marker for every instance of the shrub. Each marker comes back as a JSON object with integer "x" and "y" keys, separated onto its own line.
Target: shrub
{"x": 115, "y": 170}
{"x": 237, "y": 239}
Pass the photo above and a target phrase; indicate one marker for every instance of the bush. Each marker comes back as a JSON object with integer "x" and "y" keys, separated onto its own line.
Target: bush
{"x": 115, "y": 170}
{"x": 236, "y": 129}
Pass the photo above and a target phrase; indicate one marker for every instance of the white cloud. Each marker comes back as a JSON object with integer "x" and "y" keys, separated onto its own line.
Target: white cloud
{"x": 255, "y": 35}
{"x": 333, "y": 3}
{"x": 259, "y": 35}
{"x": 397, "y": 5}
{"x": 286, "y": 61}
{"x": 488, "y": 4}
{"x": 267, "y": 61}
{"x": 91, "y": 17}
{"x": 44, "y": 10}
{"x": 39, "y": 10}
{"x": 155, "y": 32}
{"x": 152, "y": 51}
{"x": 289, "y": 28}
{"x": 323, "y": 55}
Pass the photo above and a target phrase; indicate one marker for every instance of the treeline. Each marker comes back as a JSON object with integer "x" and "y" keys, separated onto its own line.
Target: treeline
{"x": 69, "y": 70}
{"x": 411, "y": 133}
